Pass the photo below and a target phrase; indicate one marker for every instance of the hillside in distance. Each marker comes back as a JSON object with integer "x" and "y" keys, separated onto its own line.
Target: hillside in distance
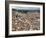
{"x": 26, "y": 11}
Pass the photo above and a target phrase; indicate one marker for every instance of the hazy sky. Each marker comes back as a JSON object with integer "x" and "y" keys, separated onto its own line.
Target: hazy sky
{"x": 27, "y": 8}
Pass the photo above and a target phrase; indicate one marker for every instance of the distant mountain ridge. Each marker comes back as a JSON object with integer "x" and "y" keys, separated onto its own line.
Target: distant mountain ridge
{"x": 22, "y": 10}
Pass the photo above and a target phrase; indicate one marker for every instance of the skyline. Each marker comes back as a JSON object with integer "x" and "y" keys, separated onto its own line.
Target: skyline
{"x": 26, "y": 8}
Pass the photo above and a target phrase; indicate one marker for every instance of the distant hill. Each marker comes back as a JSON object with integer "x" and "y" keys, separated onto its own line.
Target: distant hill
{"x": 25, "y": 11}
